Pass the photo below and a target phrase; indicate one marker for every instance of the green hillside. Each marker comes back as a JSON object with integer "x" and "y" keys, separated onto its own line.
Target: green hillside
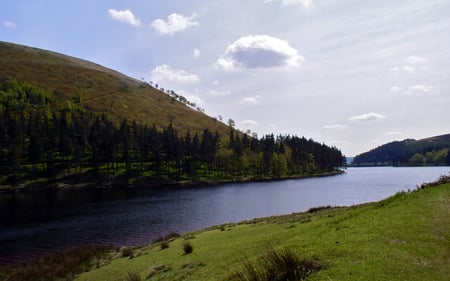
{"x": 429, "y": 151}
{"x": 101, "y": 90}
{"x": 66, "y": 122}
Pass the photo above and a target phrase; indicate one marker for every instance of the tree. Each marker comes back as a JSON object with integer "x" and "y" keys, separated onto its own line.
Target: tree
{"x": 231, "y": 123}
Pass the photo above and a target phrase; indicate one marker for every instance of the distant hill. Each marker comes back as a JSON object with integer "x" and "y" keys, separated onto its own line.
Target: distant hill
{"x": 101, "y": 90}
{"x": 409, "y": 152}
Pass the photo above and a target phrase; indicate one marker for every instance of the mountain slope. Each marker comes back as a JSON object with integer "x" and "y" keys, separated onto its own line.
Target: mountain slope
{"x": 101, "y": 90}
{"x": 428, "y": 151}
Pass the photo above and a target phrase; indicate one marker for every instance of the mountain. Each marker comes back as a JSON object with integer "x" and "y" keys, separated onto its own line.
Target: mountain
{"x": 101, "y": 90}
{"x": 409, "y": 152}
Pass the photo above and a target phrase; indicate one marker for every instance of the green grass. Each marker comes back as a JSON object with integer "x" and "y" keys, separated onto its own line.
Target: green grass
{"x": 405, "y": 237}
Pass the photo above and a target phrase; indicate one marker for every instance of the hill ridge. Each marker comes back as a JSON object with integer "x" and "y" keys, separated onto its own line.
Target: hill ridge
{"x": 410, "y": 152}
{"x": 103, "y": 90}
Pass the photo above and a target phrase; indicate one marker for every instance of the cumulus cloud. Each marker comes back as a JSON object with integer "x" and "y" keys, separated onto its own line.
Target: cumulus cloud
{"x": 250, "y": 100}
{"x": 412, "y": 64}
{"x": 125, "y": 16}
{"x": 196, "y": 53}
{"x": 367, "y": 117}
{"x": 258, "y": 52}
{"x": 420, "y": 88}
{"x": 416, "y": 60}
{"x": 412, "y": 90}
{"x": 334, "y": 127}
{"x": 9, "y": 24}
{"x": 417, "y": 90}
{"x": 304, "y": 3}
{"x": 165, "y": 72}
{"x": 174, "y": 23}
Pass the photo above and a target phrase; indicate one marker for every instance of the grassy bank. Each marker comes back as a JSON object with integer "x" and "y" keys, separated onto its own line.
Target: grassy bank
{"x": 404, "y": 237}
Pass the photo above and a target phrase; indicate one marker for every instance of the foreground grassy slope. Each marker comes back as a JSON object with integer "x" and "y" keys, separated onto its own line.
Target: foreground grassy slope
{"x": 405, "y": 237}
{"x": 100, "y": 89}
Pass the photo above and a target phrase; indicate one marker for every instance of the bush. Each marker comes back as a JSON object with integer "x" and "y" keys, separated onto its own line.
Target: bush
{"x": 127, "y": 252}
{"x": 187, "y": 247}
{"x": 164, "y": 245}
{"x": 276, "y": 265}
{"x": 133, "y": 276}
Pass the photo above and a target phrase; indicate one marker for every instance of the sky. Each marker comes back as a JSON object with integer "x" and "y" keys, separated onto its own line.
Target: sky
{"x": 352, "y": 74}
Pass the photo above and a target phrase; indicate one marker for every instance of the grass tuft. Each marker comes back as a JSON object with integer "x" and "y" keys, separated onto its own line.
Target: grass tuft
{"x": 133, "y": 276}
{"x": 276, "y": 265}
{"x": 187, "y": 247}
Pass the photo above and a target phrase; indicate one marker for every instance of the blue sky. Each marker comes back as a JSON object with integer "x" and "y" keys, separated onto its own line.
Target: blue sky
{"x": 350, "y": 73}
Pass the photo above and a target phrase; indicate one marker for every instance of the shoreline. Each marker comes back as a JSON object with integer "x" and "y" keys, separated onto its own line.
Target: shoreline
{"x": 151, "y": 184}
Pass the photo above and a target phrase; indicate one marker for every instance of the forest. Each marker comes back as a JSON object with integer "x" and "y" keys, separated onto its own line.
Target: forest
{"x": 427, "y": 152}
{"x": 42, "y": 143}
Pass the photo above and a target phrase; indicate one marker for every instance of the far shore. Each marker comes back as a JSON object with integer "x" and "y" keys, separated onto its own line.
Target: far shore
{"x": 137, "y": 183}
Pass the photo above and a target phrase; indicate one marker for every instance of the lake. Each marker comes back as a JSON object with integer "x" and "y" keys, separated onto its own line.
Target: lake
{"x": 35, "y": 223}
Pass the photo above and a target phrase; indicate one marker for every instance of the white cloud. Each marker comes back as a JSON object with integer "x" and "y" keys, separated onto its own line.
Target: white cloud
{"x": 416, "y": 60}
{"x": 216, "y": 82}
{"x": 419, "y": 88}
{"x": 9, "y": 24}
{"x": 196, "y": 53}
{"x": 334, "y": 127}
{"x": 258, "y": 52}
{"x": 219, "y": 93}
{"x": 125, "y": 16}
{"x": 175, "y": 23}
{"x": 394, "y": 69}
{"x": 395, "y": 89}
{"x": 165, "y": 72}
{"x": 394, "y": 133}
{"x": 367, "y": 117}
{"x": 250, "y": 100}
{"x": 409, "y": 69}
{"x": 248, "y": 123}
{"x": 304, "y": 3}
{"x": 413, "y": 63}
{"x": 412, "y": 90}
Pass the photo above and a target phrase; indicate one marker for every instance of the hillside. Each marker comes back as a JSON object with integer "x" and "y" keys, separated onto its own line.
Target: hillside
{"x": 101, "y": 90}
{"x": 67, "y": 122}
{"x": 428, "y": 151}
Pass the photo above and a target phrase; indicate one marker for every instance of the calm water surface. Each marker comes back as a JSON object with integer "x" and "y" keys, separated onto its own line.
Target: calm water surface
{"x": 34, "y": 223}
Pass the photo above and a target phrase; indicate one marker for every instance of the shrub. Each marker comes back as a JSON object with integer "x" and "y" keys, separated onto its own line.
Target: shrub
{"x": 187, "y": 247}
{"x": 164, "y": 245}
{"x": 133, "y": 276}
{"x": 317, "y": 209}
{"x": 127, "y": 252}
{"x": 276, "y": 265}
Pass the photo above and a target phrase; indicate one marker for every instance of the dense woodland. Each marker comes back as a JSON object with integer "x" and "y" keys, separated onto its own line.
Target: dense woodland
{"x": 70, "y": 144}
{"x": 432, "y": 151}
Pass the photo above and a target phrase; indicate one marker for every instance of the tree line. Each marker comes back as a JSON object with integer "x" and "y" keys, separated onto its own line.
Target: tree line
{"x": 408, "y": 153}
{"x": 41, "y": 140}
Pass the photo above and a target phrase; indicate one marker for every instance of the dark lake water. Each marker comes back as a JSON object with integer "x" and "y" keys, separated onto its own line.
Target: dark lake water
{"x": 35, "y": 223}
